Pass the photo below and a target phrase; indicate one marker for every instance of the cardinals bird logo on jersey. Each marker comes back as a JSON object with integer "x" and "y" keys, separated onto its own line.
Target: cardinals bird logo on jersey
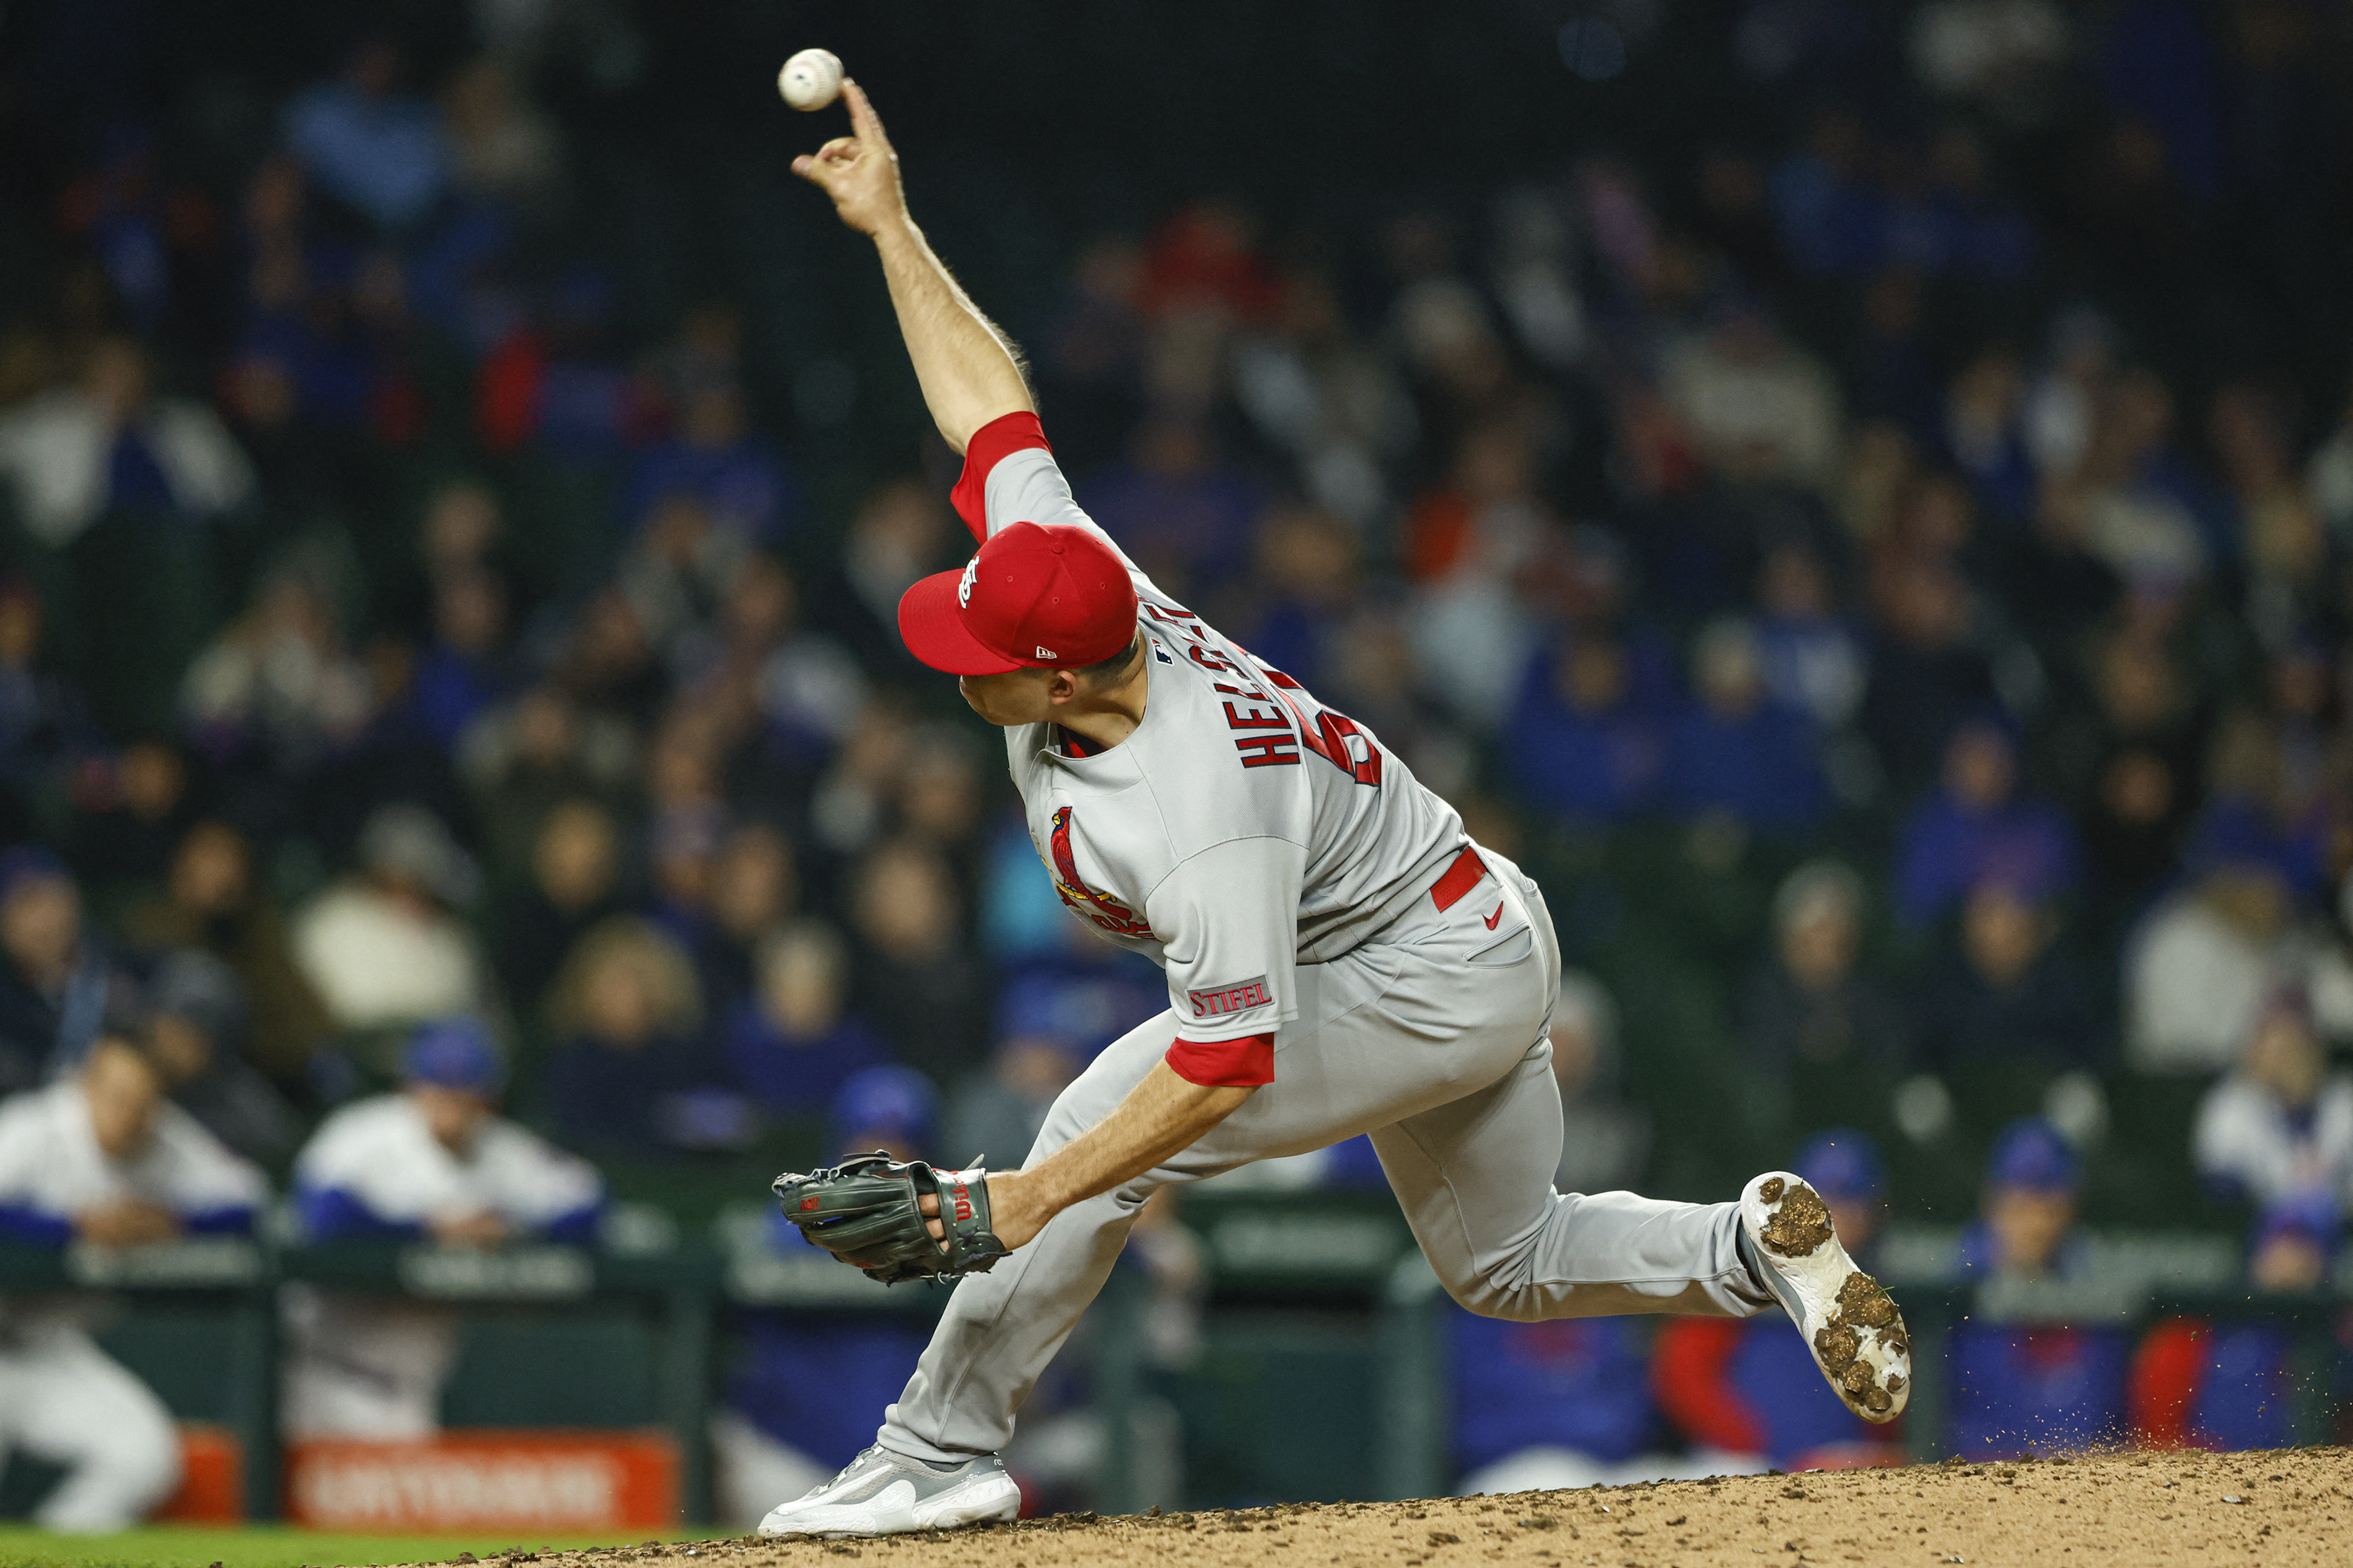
{"x": 1101, "y": 908}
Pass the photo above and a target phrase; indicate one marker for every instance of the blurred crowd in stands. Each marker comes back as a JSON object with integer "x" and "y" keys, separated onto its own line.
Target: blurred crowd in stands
{"x": 1874, "y": 564}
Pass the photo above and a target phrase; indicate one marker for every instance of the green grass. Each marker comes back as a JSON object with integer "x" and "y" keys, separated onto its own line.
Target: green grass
{"x": 268, "y": 1546}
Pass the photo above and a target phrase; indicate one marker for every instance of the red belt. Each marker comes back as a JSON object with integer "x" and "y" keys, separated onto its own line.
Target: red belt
{"x": 1460, "y": 878}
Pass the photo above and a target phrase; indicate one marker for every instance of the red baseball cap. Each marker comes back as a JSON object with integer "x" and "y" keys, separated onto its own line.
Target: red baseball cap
{"x": 1038, "y": 596}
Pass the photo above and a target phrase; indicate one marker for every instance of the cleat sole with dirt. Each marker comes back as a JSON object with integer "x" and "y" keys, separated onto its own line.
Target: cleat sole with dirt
{"x": 1847, "y": 1319}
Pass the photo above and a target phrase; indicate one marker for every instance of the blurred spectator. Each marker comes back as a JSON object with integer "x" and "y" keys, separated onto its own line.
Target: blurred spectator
{"x": 940, "y": 795}
{"x": 1175, "y": 505}
{"x": 1047, "y": 1029}
{"x": 1555, "y": 1405}
{"x": 913, "y": 974}
{"x": 432, "y": 1161}
{"x": 109, "y": 443}
{"x": 2329, "y": 474}
{"x": 792, "y": 1043}
{"x": 901, "y": 531}
{"x": 1464, "y": 547}
{"x": 632, "y": 1074}
{"x": 385, "y": 156}
{"x": 609, "y": 661}
{"x": 2281, "y": 1126}
{"x": 575, "y": 877}
{"x": 213, "y": 901}
{"x": 1976, "y": 829}
{"x": 384, "y": 947}
{"x": 2197, "y": 971}
{"x": 40, "y": 715}
{"x": 1810, "y": 656}
{"x": 101, "y": 1157}
{"x": 465, "y": 670}
{"x": 133, "y": 813}
{"x": 801, "y": 1406}
{"x": 195, "y": 1037}
{"x": 2295, "y": 1244}
{"x": 1578, "y": 746}
{"x": 737, "y": 487}
{"x": 54, "y": 980}
{"x": 1985, "y": 432}
{"x": 1736, "y": 751}
{"x": 677, "y": 575}
{"x": 2232, "y": 1386}
{"x": 1760, "y": 410}
{"x": 522, "y": 759}
{"x": 1748, "y": 1387}
{"x": 1334, "y": 405}
{"x": 2265, "y": 802}
{"x": 1605, "y": 1140}
{"x": 2278, "y": 525}
{"x": 810, "y": 691}
{"x": 1927, "y": 674}
{"x": 887, "y": 1108}
{"x": 1305, "y": 582}
{"x": 1818, "y": 1027}
{"x": 2128, "y": 760}
{"x": 501, "y": 148}
{"x": 2006, "y": 990}
{"x": 279, "y": 680}
{"x": 755, "y": 888}
{"x": 2032, "y": 1390}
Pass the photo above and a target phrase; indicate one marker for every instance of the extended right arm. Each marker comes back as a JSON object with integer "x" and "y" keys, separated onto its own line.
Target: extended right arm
{"x": 966, "y": 367}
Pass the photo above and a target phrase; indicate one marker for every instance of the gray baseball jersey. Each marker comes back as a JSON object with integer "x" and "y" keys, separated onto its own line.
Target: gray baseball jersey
{"x": 1244, "y": 827}
{"x": 1295, "y": 880}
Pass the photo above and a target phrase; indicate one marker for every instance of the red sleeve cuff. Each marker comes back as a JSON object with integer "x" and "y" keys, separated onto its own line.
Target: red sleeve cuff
{"x": 1246, "y": 1063}
{"x": 991, "y": 444}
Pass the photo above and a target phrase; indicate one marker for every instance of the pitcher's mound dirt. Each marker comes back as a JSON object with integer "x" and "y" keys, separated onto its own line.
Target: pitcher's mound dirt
{"x": 2287, "y": 1506}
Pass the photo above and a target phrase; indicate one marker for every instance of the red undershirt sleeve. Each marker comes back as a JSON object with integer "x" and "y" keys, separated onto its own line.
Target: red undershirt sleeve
{"x": 1246, "y": 1063}
{"x": 990, "y": 445}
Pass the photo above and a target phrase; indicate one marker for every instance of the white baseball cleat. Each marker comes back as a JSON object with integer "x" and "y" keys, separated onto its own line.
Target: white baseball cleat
{"x": 884, "y": 1493}
{"x": 1847, "y": 1319}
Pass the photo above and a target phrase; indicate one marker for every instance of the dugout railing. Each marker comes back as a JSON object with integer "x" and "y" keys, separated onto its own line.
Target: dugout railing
{"x": 1318, "y": 1314}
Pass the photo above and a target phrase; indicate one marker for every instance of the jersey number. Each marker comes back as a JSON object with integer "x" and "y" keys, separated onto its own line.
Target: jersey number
{"x": 1333, "y": 736}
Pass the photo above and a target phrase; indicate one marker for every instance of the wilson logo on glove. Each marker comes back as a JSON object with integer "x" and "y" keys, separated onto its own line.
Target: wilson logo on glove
{"x": 868, "y": 1211}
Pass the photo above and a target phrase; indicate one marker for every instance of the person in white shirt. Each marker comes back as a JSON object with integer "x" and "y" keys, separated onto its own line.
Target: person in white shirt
{"x": 100, "y": 1158}
{"x": 2281, "y": 1127}
{"x": 383, "y": 949}
{"x": 431, "y": 1162}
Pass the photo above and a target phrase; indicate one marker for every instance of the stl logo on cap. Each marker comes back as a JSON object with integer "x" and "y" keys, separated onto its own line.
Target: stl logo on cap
{"x": 1058, "y": 597}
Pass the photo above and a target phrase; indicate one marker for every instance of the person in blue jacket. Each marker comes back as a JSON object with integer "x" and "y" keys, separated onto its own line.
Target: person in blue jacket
{"x": 801, "y": 1403}
{"x": 2231, "y": 1386}
{"x": 1746, "y": 1386}
{"x": 2020, "y": 1389}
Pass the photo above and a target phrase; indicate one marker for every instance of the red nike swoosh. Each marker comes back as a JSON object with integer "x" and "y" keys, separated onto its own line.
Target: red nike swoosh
{"x": 1497, "y": 916}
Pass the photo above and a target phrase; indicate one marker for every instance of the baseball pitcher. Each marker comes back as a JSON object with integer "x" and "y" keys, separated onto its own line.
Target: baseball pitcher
{"x": 1341, "y": 958}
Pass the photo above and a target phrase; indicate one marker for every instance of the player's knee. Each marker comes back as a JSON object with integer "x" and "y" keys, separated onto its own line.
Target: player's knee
{"x": 118, "y": 1479}
{"x": 144, "y": 1460}
{"x": 1500, "y": 1289}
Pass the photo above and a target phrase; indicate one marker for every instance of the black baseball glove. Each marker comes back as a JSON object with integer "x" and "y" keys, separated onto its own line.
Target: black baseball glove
{"x": 868, "y": 1211}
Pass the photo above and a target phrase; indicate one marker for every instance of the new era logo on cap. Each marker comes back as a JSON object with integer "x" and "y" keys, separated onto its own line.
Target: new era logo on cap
{"x": 1037, "y": 596}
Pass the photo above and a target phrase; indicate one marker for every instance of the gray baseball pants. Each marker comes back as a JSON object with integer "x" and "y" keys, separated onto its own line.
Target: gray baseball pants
{"x": 1432, "y": 1038}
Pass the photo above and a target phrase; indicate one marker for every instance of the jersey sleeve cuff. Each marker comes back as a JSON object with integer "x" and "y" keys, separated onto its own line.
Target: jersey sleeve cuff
{"x": 1245, "y": 1063}
{"x": 991, "y": 444}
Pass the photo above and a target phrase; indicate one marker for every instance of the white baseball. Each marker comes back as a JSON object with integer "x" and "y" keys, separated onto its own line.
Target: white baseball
{"x": 810, "y": 79}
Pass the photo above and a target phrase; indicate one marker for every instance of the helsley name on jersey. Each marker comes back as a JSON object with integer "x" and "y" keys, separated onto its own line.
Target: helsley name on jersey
{"x": 1243, "y": 828}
